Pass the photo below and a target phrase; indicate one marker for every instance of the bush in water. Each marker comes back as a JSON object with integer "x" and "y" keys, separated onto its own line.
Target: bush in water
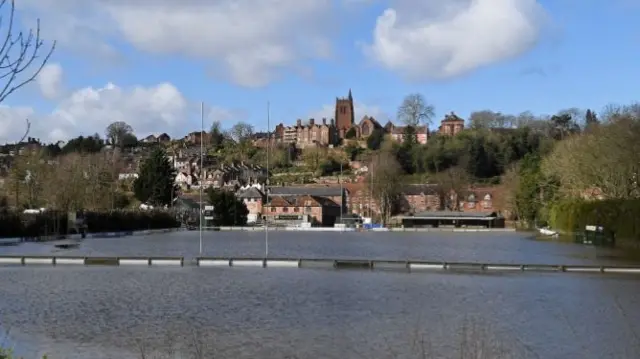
{"x": 13, "y": 224}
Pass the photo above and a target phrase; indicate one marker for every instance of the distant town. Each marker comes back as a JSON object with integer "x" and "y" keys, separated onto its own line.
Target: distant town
{"x": 324, "y": 169}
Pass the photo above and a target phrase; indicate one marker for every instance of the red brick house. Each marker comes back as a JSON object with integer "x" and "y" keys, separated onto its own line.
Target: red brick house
{"x": 319, "y": 210}
{"x": 478, "y": 200}
{"x": 253, "y": 198}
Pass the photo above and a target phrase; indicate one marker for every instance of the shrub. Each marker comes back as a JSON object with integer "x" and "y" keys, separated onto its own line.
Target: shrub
{"x": 621, "y": 217}
{"x": 14, "y": 224}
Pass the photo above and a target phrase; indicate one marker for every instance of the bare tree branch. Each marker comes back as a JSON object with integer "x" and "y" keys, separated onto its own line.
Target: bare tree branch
{"x": 415, "y": 110}
{"x": 19, "y": 51}
{"x": 26, "y": 133}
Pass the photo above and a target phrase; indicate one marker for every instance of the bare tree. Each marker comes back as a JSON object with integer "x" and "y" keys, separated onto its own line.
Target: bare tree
{"x": 20, "y": 53}
{"x": 26, "y": 179}
{"x": 385, "y": 183}
{"x": 488, "y": 119}
{"x": 241, "y": 132}
{"x": 415, "y": 110}
{"x": 451, "y": 186}
{"x": 117, "y": 132}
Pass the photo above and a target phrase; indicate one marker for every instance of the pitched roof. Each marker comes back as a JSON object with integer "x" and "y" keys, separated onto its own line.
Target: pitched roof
{"x": 419, "y": 189}
{"x": 301, "y": 191}
{"x": 376, "y": 124}
{"x": 301, "y": 201}
{"x": 250, "y": 192}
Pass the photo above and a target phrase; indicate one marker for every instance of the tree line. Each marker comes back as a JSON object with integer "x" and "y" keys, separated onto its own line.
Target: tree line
{"x": 539, "y": 161}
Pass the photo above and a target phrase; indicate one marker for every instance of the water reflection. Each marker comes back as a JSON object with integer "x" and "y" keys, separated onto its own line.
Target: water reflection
{"x": 93, "y": 312}
{"x": 488, "y": 247}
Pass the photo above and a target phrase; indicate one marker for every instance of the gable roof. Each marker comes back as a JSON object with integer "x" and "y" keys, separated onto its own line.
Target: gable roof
{"x": 375, "y": 123}
{"x": 419, "y": 189}
{"x": 250, "y": 192}
{"x": 301, "y": 201}
{"x": 301, "y": 191}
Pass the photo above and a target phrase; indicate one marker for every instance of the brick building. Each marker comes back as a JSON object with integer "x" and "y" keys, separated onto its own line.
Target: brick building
{"x": 345, "y": 115}
{"x": 253, "y": 198}
{"x": 306, "y": 135}
{"x": 397, "y": 132}
{"x": 451, "y": 125}
{"x": 294, "y": 209}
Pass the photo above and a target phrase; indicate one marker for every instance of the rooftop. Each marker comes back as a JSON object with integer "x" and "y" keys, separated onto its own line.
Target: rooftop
{"x": 447, "y": 215}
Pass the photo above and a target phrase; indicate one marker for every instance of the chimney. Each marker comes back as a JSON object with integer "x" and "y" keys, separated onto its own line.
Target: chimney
{"x": 312, "y": 122}
{"x": 299, "y": 123}
{"x": 324, "y": 121}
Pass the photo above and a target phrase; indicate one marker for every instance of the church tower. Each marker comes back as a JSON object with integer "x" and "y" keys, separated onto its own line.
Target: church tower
{"x": 345, "y": 116}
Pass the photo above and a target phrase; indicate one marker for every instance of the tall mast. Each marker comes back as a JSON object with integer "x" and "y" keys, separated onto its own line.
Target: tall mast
{"x": 266, "y": 225}
{"x": 201, "y": 167}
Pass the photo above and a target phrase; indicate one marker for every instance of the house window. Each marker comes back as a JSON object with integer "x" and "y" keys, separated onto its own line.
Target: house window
{"x": 296, "y": 209}
{"x": 273, "y": 209}
{"x": 285, "y": 209}
{"x": 307, "y": 209}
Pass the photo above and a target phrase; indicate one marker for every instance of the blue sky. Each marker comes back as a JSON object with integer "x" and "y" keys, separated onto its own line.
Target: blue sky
{"x": 163, "y": 57}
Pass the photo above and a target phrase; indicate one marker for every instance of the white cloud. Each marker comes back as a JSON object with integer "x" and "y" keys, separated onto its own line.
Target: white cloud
{"x": 446, "y": 38}
{"x": 50, "y": 81}
{"x": 251, "y": 39}
{"x": 159, "y": 108}
{"x": 360, "y": 109}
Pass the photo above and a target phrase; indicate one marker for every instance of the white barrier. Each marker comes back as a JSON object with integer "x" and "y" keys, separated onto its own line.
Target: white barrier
{"x": 282, "y": 264}
{"x": 214, "y": 262}
{"x": 621, "y": 270}
{"x": 133, "y": 262}
{"x": 36, "y": 260}
{"x": 320, "y": 229}
{"x": 583, "y": 269}
{"x": 504, "y": 267}
{"x": 10, "y": 260}
{"x": 247, "y": 263}
{"x": 69, "y": 261}
{"x": 426, "y": 266}
{"x": 315, "y": 263}
{"x": 166, "y": 262}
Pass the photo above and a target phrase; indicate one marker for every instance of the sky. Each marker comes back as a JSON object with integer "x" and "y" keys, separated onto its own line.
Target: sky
{"x": 151, "y": 63}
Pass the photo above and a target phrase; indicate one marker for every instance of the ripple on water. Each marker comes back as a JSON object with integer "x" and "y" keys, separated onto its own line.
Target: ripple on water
{"x": 93, "y": 312}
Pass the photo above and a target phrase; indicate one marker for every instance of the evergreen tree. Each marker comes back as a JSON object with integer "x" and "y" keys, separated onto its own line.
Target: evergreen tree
{"x": 590, "y": 120}
{"x": 351, "y": 133}
{"x": 374, "y": 141}
{"x": 155, "y": 184}
{"x": 228, "y": 210}
{"x": 410, "y": 136}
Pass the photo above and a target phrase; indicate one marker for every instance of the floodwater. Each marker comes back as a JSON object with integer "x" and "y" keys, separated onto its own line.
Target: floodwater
{"x": 117, "y": 312}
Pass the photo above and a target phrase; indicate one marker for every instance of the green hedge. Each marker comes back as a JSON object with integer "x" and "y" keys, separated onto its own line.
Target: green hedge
{"x": 621, "y": 217}
{"x": 130, "y": 221}
{"x": 14, "y": 224}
